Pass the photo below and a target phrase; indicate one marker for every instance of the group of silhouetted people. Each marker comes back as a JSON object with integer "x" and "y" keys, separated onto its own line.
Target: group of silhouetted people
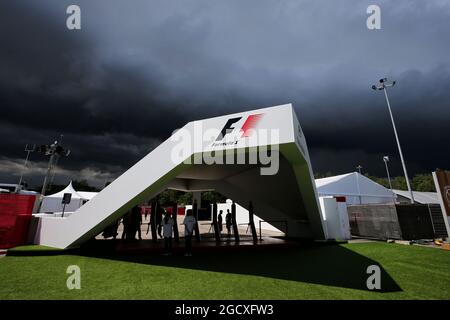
{"x": 132, "y": 222}
{"x": 166, "y": 225}
{"x": 228, "y": 222}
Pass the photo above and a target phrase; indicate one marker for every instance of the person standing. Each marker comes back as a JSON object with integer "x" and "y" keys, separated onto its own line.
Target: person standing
{"x": 167, "y": 232}
{"x": 111, "y": 230}
{"x": 220, "y": 221}
{"x": 228, "y": 222}
{"x": 159, "y": 217}
{"x": 137, "y": 221}
{"x": 189, "y": 222}
{"x": 126, "y": 226}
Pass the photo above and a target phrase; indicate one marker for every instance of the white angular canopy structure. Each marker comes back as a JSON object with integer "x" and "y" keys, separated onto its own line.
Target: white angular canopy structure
{"x": 287, "y": 195}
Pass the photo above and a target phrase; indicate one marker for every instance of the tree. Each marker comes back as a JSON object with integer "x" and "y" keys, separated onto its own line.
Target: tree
{"x": 383, "y": 181}
{"x": 423, "y": 182}
{"x": 185, "y": 198}
{"x": 420, "y": 182}
{"x": 399, "y": 183}
{"x": 169, "y": 197}
{"x": 213, "y": 196}
{"x": 319, "y": 175}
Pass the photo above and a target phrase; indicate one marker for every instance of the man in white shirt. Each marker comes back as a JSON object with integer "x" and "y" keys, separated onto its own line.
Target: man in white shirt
{"x": 189, "y": 223}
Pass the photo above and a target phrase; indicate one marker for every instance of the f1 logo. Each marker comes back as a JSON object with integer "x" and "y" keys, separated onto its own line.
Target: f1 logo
{"x": 227, "y": 128}
{"x": 249, "y": 124}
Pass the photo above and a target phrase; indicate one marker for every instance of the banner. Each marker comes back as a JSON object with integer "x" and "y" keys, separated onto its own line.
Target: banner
{"x": 442, "y": 182}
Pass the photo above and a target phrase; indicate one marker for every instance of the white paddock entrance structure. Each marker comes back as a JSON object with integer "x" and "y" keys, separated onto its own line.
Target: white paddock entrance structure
{"x": 281, "y": 189}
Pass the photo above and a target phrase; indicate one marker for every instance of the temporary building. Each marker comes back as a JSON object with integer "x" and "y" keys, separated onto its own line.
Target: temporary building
{"x": 87, "y": 195}
{"x": 419, "y": 197}
{"x": 357, "y": 189}
{"x": 53, "y": 203}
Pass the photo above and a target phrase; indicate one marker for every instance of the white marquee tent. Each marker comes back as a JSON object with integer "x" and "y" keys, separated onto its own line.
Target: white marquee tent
{"x": 357, "y": 189}
{"x": 53, "y": 203}
{"x": 419, "y": 197}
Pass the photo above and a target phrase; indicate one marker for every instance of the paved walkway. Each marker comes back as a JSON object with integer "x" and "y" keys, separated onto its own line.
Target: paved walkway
{"x": 204, "y": 245}
{"x": 204, "y": 227}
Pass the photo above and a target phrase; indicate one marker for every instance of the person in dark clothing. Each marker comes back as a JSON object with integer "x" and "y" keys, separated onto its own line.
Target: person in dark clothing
{"x": 220, "y": 221}
{"x": 111, "y": 231}
{"x": 137, "y": 221}
{"x": 131, "y": 227}
{"x": 228, "y": 222}
{"x": 126, "y": 226}
{"x": 159, "y": 217}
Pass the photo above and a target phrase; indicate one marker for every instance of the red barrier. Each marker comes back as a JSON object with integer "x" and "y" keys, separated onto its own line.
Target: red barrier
{"x": 16, "y": 204}
{"x": 180, "y": 210}
{"x": 15, "y": 217}
{"x": 340, "y": 199}
{"x": 145, "y": 210}
{"x": 148, "y": 210}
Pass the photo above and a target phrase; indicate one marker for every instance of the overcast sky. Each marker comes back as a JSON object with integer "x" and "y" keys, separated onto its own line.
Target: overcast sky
{"x": 139, "y": 69}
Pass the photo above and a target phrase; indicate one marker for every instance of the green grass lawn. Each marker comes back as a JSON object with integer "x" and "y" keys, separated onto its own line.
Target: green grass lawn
{"x": 310, "y": 272}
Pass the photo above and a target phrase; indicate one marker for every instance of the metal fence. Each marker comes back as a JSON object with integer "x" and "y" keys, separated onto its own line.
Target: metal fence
{"x": 374, "y": 221}
{"x": 399, "y": 221}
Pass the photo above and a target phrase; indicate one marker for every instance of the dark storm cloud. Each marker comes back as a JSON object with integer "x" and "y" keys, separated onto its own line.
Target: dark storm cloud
{"x": 52, "y": 82}
{"x": 135, "y": 72}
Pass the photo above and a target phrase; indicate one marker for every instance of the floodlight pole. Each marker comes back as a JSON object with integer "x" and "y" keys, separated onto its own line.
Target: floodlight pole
{"x": 56, "y": 162}
{"x": 28, "y": 151}
{"x": 386, "y": 159}
{"x": 55, "y": 151}
{"x": 359, "y": 167}
{"x": 49, "y": 168}
{"x": 398, "y": 144}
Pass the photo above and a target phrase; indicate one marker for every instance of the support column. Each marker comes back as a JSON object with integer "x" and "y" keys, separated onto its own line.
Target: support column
{"x": 252, "y": 223}
{"x": 176, "y": 235}
{"x": 215, "y": 225}
{"x": 196, "y": 196}
{"x": 153, "y": 221}
{"x": 233, "y": 221}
